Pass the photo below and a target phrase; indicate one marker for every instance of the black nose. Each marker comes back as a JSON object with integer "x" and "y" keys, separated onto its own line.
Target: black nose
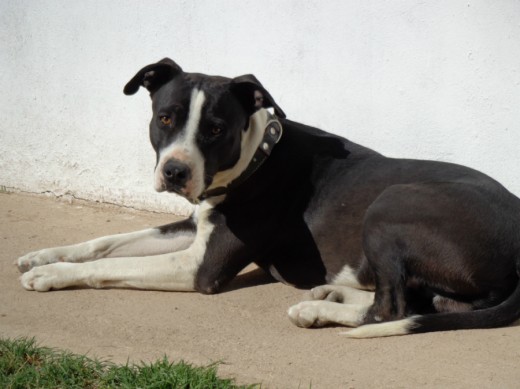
{"x": 176, "y": 173}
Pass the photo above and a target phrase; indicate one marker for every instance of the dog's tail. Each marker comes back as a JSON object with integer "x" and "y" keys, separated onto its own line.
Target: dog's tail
{"x": 500, "y": 315}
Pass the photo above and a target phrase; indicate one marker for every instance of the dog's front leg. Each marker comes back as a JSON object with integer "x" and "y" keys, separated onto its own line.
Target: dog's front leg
{"x": 175, "y": 271}
{"x": 152, "y": 241}
{"x": 213, "y": 258}
{"x": 172, "y": 271}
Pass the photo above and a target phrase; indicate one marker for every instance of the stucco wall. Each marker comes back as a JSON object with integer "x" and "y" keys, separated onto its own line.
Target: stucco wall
{"x": 434, "y": 80}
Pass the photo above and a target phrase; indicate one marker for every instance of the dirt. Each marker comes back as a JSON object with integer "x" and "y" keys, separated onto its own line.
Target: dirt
{"x": 245, "y": 328}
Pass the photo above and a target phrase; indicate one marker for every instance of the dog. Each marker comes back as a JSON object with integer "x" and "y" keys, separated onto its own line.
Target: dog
{"x": 388, "y": 246}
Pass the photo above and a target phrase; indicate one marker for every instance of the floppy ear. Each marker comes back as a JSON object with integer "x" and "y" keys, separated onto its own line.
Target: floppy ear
{"x": 253, "y": 95}
{"x": 153, "y": 76}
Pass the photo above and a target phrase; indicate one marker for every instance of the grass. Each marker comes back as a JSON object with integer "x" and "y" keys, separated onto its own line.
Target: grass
{"x": 24, "y": 364}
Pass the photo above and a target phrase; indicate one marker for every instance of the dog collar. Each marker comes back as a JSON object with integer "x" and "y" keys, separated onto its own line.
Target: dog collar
{"x": 272, "y": 134}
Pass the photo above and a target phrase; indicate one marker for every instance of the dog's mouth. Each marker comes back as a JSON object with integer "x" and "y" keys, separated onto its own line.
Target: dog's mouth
{"x": 163, "y": 186}
{"x": 183, "y": 192}
{"x": 175, "y": 189}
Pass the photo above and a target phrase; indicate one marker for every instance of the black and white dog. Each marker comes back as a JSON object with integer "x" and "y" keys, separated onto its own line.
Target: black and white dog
{"x": 398, "y": 246}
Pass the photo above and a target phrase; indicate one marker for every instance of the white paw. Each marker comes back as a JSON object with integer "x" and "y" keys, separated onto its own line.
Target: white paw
{"x": 326, "y": 292}
{"x": 45, "y": 278}
{"x": 307, "y": 314}
{"x": 340, "y": 294}
{"x": 38, "y": 258}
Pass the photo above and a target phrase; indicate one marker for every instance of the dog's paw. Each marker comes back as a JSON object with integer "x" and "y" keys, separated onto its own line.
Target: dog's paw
{"x": 307, "y": 314}
{"x": 38, "y": 258}
{"x": 320, "y": 313}
{"x": 339, "y": 294}
{"x": 45, "y": 278}
{"x": 333, "y": 293}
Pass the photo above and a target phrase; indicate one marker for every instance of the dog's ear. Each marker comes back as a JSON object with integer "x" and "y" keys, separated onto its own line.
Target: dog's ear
{"x": 153, "y": 76}
{"x": 253, "y": 95}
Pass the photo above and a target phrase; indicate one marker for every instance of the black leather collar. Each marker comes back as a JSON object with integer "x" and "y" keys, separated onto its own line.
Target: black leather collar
{"x": 272, "y": 134}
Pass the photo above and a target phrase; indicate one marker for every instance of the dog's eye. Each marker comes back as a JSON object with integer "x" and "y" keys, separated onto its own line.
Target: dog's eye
{"x": 166, "y": 120}
{"x": 216, "y": 131}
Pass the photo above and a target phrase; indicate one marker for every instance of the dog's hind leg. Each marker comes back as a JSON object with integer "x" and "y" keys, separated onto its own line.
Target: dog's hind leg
{"x": 385, "y": 251}
{"x": 390, "y": 294}
{"x": 152, "y": 241}
{"x": 409, "y": 245}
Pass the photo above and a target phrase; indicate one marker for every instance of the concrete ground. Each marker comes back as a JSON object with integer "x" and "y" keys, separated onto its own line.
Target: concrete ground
{"x": 245, "y": 328}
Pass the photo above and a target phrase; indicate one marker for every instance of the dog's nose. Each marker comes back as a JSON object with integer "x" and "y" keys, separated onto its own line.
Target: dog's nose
{"x": 176, "y": 173}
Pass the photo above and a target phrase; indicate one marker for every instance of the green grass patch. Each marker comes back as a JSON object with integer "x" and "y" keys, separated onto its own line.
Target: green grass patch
{"x": 23, "y": 364}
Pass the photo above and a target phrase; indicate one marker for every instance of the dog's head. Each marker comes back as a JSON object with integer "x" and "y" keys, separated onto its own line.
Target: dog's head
{"x": 203, "y": 127}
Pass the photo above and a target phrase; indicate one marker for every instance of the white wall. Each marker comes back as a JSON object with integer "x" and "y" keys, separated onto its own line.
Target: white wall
{"x": 425, "y": 79}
